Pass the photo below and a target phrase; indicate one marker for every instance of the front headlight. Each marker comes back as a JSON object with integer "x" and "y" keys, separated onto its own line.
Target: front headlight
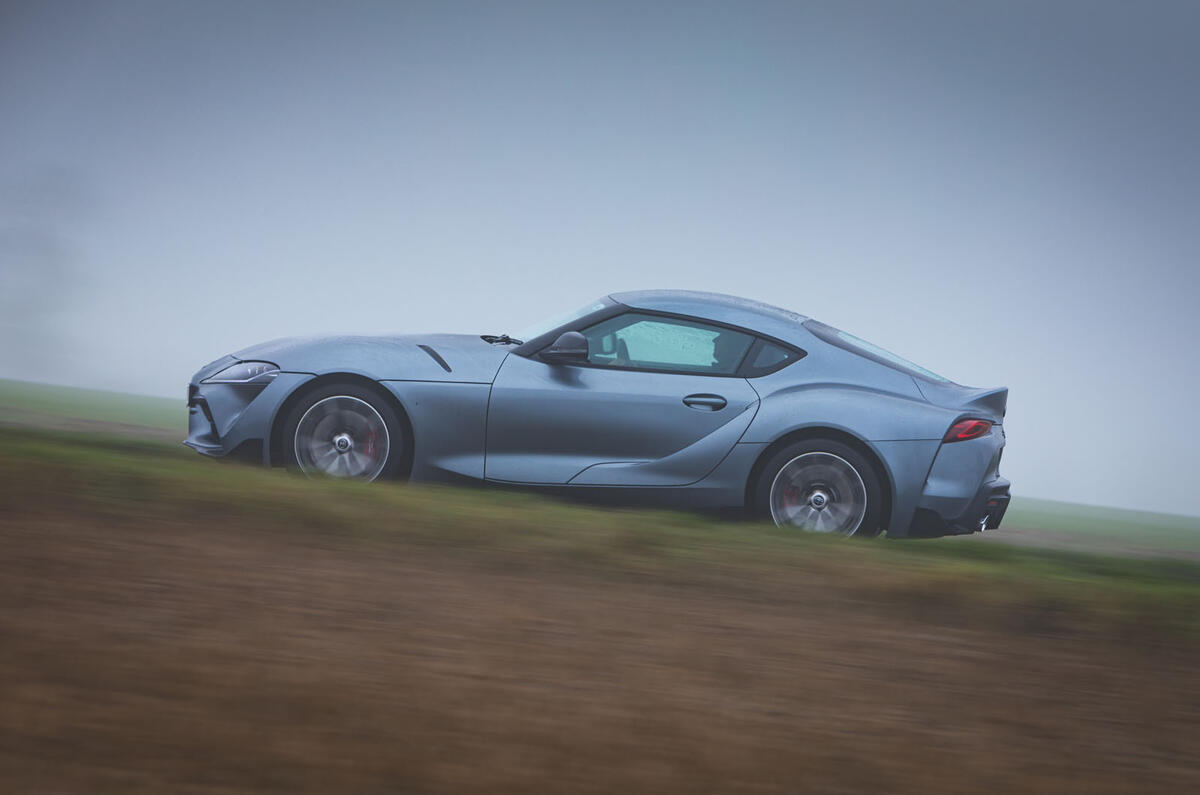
{"x": 245, "y": 373}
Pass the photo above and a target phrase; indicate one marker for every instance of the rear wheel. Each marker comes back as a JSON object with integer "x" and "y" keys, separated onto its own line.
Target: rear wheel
{"x": 820, "y": 486}
{"x": 345, "y": 431}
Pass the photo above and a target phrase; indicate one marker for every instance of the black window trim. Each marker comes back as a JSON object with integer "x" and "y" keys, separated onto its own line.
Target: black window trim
{"x": 531, "y": 348}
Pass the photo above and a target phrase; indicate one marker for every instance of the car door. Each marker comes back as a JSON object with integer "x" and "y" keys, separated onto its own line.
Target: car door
{"x": 655, "y": 404}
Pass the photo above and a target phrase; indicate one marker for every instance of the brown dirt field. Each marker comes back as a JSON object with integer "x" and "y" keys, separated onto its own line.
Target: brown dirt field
{"x": 174, "y": 657}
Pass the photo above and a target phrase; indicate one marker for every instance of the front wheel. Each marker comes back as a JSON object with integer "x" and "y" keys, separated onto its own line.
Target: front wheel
{"x": 344, "y": 431}
{"x": 820, "y": 486}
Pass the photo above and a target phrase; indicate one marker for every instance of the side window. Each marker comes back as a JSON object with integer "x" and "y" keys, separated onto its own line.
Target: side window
{"x": 648, "y": 342}
{"x": 767, "y": 357}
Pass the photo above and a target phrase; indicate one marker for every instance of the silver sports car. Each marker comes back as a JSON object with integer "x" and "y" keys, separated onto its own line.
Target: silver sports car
{"x": 666, "y": 397}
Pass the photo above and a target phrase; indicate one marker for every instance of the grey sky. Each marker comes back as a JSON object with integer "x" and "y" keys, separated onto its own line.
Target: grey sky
{"x": 1007, "y": 194}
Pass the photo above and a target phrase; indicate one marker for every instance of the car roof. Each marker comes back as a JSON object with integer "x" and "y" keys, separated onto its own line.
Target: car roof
{"x": 743, "y": 312}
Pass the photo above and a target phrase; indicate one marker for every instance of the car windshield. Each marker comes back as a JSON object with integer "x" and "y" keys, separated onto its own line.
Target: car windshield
{"x": 551, "y": 323}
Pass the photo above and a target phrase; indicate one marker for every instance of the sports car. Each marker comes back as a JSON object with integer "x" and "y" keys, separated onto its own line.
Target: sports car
{"x": 667, "y": 397}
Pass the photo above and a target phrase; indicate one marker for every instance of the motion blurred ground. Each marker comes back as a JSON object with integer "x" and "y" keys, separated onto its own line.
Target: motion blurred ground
{"x": 168, "y": 624}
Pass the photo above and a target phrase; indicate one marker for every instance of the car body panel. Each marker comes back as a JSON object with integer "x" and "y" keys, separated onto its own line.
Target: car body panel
{"x": 549, "y": 424}
{"x": 449, "y": 420}
{"x": 680, "y": 468}
{"x": 723, "y": 487}
{"x": 906, "y": 464}
{"x": 834, "y": 388}
{"x": 400, "y": 357}
{"x": 959, "y": 473}
{"x": 984, "y": 403}
{"x": 224, "y": 417}
{"x": 497, "y": 412}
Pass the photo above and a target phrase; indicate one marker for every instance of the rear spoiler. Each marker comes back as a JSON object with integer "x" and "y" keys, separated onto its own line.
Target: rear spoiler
{"x": 990, "y": 400}
{"x": 991, "y": 403}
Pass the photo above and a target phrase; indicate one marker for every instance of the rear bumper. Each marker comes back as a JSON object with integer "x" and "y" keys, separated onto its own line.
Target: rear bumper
{"x": 963, "y": 492}
{"x": 985, "y": 511}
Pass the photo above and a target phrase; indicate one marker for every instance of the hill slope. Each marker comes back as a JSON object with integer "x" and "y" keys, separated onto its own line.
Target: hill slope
{"x": 170, "y": 624}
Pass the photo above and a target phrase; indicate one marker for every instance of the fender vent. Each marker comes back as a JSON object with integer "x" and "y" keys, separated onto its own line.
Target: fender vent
{"x": 437, "y": 357}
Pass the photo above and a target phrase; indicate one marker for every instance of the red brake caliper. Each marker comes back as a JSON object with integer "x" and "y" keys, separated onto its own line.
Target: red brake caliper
{"x": 792, "y": 496}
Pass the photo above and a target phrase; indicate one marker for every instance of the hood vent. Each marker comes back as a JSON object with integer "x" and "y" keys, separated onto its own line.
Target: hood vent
{"x": 437, "y": 357}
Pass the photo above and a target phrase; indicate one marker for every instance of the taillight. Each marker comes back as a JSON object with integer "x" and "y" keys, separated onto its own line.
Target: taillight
{"x": 963, "y": 430}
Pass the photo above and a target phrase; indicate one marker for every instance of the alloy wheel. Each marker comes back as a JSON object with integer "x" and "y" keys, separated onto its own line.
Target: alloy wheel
{"x": 342, "y": 437}
{"x": 820, "y": 493}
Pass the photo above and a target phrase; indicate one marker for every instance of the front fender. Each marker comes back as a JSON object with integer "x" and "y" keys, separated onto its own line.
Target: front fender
{"x": 461, "y": 358}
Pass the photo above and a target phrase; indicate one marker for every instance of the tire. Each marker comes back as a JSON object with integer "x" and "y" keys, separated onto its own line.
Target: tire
{"x": 346, "y": 431}
{"x": 820, "y": 485}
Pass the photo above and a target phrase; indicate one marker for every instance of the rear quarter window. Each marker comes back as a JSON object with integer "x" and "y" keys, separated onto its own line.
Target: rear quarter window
{"x": 766, "y": 357}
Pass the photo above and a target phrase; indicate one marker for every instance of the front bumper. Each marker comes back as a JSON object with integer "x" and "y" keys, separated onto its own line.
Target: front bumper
{"x": 235, "y": 420}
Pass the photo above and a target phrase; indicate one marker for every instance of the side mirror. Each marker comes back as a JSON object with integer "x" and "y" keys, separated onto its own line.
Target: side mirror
{"x": 570, "y": 347}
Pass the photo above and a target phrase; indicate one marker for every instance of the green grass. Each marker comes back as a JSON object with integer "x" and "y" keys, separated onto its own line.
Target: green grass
{"x": 25, "y": 401}
{"x": 1158, "y": 530}
{"x": 117, "y": 481}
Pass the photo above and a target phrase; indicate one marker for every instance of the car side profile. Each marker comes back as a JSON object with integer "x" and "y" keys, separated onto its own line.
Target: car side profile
{"x": 662, "y": 397}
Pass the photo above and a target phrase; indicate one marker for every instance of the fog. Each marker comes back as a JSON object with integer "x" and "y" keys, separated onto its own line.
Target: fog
{"x": 1008, "y": 195}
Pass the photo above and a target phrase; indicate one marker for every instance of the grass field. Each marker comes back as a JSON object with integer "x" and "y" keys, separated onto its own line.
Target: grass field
{"x": 1113, "y": 530}
{"x": 52, "y": 406}
{"x": 171, "y": 624}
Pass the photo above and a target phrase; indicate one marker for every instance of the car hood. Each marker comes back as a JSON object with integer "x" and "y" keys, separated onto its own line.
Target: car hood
{"x": 413, "y": 357}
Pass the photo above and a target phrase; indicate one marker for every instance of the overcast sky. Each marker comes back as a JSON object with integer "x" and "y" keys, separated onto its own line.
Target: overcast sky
{"x": 1007, "y": 193}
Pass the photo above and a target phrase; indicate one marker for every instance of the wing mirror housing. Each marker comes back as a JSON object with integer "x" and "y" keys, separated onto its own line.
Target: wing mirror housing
{"x": 571, "y": 347}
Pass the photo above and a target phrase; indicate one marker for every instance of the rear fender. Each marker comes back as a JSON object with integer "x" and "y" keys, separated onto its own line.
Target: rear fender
{"x": 868, "y": 414}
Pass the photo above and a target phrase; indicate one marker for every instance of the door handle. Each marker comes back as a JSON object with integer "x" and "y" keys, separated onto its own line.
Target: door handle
{"x": 704, "y": 402}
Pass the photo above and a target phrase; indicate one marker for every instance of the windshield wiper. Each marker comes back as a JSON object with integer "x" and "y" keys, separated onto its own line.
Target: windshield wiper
{"x": 501, "y": 339}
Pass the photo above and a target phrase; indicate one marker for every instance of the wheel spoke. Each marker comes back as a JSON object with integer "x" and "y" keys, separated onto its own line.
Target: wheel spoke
{"x": 804, "y": 516}
{"x": 820, "y": 521}
{"x": 361, "y": 462}
{"x": 838, "y": 512}
{"x": 325, "y": 458}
